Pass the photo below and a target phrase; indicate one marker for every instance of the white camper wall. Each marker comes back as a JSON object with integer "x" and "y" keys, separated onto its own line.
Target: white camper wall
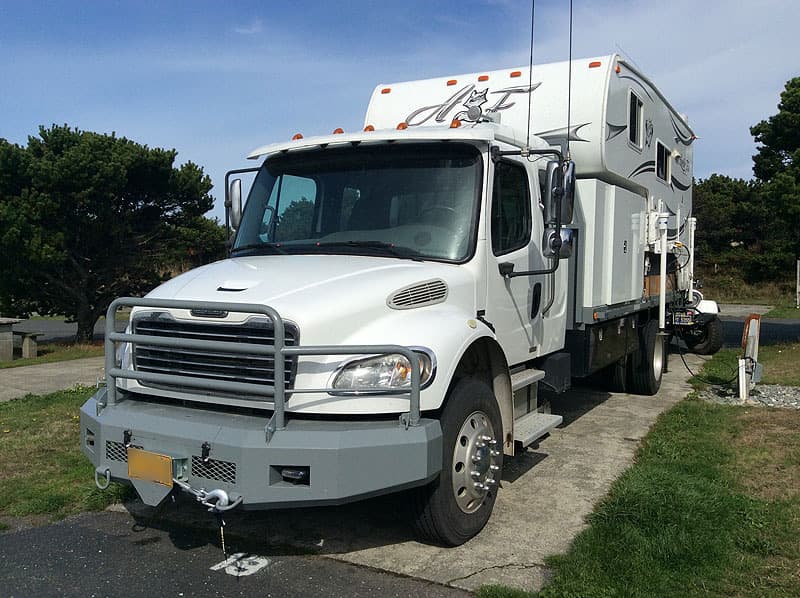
{"x": 610, "y": 260}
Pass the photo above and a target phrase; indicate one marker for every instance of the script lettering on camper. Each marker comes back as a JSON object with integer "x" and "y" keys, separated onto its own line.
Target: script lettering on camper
{"x": 468, "y": 103}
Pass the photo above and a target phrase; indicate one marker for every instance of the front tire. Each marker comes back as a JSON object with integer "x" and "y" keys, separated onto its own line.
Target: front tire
{"x": 456, "y": 506}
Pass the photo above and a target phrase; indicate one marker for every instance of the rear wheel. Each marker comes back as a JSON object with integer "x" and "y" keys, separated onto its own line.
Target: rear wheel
{"x": 458, "y": 504}
{"x": 707, "y": 339}
{"x": 646, "y": 365}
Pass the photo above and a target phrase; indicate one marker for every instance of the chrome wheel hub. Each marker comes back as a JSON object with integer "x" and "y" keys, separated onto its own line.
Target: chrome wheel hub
{"x": 476, "y": 462}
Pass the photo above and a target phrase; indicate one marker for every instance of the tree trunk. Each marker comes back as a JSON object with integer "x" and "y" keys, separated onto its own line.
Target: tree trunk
{"x": 86, "y": 320}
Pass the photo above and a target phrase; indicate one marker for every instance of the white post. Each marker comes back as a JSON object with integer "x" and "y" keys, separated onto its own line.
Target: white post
{"x": 744, "y": 383}
{"x": 662, "y": 293}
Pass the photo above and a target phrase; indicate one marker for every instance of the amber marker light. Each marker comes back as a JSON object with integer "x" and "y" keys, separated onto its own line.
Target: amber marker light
{"x": 516, "y": 73}
{"x": 297, "y": 136}
{"x": 338, "y": 131}
{"x": 455, "y": 123}
{"x": 483, "y": 78}
{"x": 369, "y": 129}
{"x": 594, "y": 64}
{"x": 452, "y": 82}
{"x": 386, "y": 90}
{"x": 402, "y": 126}
{"x": 617, "y": 69}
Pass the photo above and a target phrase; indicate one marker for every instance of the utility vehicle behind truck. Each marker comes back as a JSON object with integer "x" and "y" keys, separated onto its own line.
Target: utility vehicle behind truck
{"x": 396, "y": 297}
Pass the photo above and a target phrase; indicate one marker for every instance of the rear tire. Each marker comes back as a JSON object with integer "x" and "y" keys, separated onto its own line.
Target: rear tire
{"x": 646, "y": 365}
{"x": 708, "y": 340}
{"x": 456, "y": 506}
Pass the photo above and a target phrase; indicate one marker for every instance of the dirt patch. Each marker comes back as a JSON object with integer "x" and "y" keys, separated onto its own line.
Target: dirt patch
{"x": 768, "y": 454}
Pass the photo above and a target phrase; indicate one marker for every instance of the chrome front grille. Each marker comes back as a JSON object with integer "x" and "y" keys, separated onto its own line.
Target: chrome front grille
{"x": 211, "y": 364}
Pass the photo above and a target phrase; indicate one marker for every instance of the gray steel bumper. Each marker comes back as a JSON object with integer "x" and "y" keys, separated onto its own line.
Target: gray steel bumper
{"x": 347, "y": 460}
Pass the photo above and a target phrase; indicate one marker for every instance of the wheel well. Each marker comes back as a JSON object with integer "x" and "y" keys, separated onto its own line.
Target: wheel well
{"x": 485, "y": 361}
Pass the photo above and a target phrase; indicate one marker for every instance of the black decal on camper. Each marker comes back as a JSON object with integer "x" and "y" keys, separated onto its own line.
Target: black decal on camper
{"x": 680, "y": 136}
{"x": 649, "y": 166}
{"x": 635, "y": 80}
{"x": 614, "y": 130}
{"x": 648, "y": 132}
{"x": 676, "y": 183}
{"x": 559, "y": 136}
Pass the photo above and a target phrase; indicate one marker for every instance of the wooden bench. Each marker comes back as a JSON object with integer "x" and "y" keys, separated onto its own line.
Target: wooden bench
{"x": 27, "y": 340}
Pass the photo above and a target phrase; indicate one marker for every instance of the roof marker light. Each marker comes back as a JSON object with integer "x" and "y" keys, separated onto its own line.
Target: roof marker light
{"x": 402, "y": 126}
{"x": 297, "y": 136}
{"x": 369, "y": 129}
{"x": 618, "y": 69}
{"x": 338, "y": 131}
{"x": 452, "y": 82}
{"x": 386, "y": 90}
{"x": 483, "y": 78}
{"x": 455, "y": 123}
{"x": 516, "y": 73}
{"x": 594, "y": 64}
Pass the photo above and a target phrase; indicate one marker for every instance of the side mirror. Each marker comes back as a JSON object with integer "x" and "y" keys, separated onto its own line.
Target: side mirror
{"x": 568, "y": 196}
{"x": 234, "y": 203}
{"x": 552, "y": 191}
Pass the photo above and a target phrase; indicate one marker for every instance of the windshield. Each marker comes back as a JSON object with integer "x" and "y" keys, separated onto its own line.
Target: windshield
{"x": 414, "y": 201}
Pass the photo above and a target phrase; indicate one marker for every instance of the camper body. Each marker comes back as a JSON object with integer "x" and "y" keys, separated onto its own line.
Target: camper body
{"x": 395, "y": 298}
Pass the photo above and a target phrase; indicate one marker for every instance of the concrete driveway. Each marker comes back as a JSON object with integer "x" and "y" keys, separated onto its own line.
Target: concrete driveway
{"x": 546, "y": 494}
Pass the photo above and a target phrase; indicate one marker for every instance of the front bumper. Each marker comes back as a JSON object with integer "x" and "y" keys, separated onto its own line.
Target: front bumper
{"x": 346, "y": 460}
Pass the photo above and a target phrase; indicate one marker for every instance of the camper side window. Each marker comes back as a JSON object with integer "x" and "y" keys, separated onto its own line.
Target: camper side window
{"x": 635, "y": 120}
{"x": 511, "y": 208}
{"x": 662, "y": 161}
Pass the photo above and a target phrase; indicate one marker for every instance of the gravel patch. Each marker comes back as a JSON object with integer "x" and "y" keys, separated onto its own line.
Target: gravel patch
{"x": 768, "y": 395}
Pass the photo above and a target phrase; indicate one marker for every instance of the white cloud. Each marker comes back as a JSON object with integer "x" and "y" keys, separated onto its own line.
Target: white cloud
{"x": 254, "y": 27}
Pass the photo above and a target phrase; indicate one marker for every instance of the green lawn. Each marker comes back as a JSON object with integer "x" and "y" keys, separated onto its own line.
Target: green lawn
{"x": 57, "y": 352}
{"x": 711, "y": 506}
{"x": 42, "y": 471}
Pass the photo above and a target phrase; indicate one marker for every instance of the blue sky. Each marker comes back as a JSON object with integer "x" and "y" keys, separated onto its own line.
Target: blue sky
{"x": 214, "y": 80}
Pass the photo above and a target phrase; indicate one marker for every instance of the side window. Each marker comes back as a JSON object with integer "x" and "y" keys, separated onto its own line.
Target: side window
{"x": 635, "y": 120}
{"x": 511, "y": 208}
{"x": 662, "y": 161}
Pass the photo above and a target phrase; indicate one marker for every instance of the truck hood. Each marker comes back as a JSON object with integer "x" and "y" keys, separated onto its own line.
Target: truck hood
{"x": 311, "y": 290}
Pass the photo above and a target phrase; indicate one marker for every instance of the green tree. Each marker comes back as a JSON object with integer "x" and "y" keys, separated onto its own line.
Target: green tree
{"x": 777, "y": 166}
{"x": 87, "y": 217}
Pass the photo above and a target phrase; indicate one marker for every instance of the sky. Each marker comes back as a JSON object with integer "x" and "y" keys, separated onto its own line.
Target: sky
{"x": 214, "y": 80}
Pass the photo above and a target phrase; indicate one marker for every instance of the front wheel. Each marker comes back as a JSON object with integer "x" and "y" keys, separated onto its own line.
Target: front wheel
{"x": 458, "y": 504}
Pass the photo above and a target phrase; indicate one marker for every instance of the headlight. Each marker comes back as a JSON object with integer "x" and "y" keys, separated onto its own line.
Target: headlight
{"x": 383, "y": 372}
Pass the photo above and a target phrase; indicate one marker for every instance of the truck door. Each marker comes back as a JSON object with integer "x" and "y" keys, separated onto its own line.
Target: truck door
{"x": 513, "y": 304}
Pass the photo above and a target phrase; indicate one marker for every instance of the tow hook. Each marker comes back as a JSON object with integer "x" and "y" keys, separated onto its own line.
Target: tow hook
{"x": 216, "y": 500}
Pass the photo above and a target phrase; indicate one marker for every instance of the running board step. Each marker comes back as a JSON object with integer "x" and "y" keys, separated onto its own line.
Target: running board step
{"x": 533, "y": 426}
{"x": 525, "y": 378}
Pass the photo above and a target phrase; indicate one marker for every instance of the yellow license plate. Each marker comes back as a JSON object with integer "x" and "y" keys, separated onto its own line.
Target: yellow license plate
{"x": 150, "y": 467}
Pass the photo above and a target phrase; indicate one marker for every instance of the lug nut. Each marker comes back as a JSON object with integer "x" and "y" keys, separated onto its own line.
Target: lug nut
{"x": 492, "y": 442}
{"x": 476, "y": 458}
{"x": 490, "y": 482}
{"x": 494, "y": 467}
{"x": 495, "y": 453}
{"x": 486, "y": 438}
{"x": 480, "y": 444}
{"x": 475, "y": 474}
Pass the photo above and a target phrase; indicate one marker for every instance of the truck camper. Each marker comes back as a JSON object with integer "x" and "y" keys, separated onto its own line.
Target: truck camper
{"x": 396, "y": 297}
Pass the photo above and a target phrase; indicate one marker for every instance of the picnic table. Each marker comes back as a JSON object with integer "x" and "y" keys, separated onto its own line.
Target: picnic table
{"x": 7, "y": 338}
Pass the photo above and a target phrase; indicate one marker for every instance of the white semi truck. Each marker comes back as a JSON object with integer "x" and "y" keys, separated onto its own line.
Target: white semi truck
{"x": 395, "y": 297}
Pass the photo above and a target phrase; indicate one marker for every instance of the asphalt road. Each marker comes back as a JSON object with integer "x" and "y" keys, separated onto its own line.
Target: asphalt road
{"x": 106, "y": 554}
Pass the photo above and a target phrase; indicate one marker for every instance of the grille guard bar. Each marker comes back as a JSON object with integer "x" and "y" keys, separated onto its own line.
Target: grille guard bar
{"x": 279, "y": 351}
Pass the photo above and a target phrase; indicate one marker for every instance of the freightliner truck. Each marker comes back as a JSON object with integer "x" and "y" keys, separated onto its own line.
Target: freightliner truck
{"x": 396, "y": 297}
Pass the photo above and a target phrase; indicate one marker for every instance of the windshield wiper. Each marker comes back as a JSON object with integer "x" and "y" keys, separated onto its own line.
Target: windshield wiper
{"x": 389, "y": 248}
{"x": 269, "y": 247}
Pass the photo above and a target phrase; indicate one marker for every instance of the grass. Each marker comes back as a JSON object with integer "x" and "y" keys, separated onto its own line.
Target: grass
{"x": 711, "y": 507}
{"x": 730, "y": 289}
{"x": 51, "y": 352}
{"x": 781, "y": 366}
{"x": 42, "y": 471}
